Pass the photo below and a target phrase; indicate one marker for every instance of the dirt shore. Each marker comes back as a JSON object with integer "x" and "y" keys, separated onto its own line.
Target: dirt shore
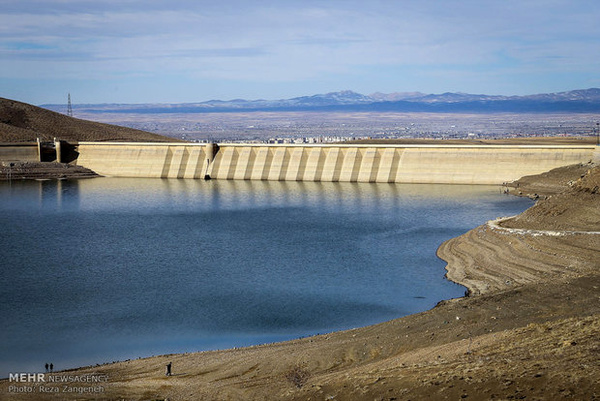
{"x": 20, "y": 170}
{"x": 528, "y": 330}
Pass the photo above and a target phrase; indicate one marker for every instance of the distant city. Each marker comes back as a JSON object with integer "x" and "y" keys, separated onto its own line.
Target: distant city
{"x": 346, "y": 115}
{"x": 324, "y": 127}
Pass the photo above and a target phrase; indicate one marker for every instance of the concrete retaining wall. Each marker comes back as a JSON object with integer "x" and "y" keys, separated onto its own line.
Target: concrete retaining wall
{"x": 27, "y": 152}
{"x": 451, "y": 164}
{"x": 154, "y": 160}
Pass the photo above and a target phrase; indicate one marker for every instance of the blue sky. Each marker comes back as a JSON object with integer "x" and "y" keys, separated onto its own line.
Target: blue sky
{"x": 139, "y": 51}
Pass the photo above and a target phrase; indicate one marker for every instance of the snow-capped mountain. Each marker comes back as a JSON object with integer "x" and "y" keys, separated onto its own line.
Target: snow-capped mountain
{"x": 582, "y": 100}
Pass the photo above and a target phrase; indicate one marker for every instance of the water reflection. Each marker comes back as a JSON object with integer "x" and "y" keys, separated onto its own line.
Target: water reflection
{"x": 107, "y": 193}
{"x": 147, "y": 196}
{"x": 47, "y": 195}
{"x": 105, "y": 268}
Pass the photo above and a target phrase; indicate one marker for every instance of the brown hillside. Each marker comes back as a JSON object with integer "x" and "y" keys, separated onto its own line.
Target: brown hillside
{"x": 576, "y": 208}
{"x": 21, "y": 122}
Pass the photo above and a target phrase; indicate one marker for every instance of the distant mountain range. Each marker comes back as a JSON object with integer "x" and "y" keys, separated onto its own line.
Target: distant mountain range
{"x": 575, "y": 101}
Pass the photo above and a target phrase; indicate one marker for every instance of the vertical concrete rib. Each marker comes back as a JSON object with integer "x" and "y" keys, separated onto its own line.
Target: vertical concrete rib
{"x": 177, "y": 157}
{"x": 395, "y": 163}
{"x": 314, "y": 165}
{"x": 293, "y": 172}
{"x": 185, "y": 157}
{"x": 368, "y": 166}
{"x": 39, "y": 150}
{"x": 385, "y": 165}
{"x": 350, "y": 165}
{"x": 194, "y": 166}
{"x": 268, "y": 163}
{"x": 234, "y": 160}
{"x": 58, "y": 149}
{"x": 224, "y": 170}
{"x": 167, "y": 162}
{"x": 276, "y": 172}
{"x": 398, "y": 169}
{"x": 260, "y": 164}
{"x": 192, "y": 162}
{"x": 250, "y": 165}
{"x": 332, "y": 165}
{"x": 320, "y": 164}
{"x": 242, "y": 166}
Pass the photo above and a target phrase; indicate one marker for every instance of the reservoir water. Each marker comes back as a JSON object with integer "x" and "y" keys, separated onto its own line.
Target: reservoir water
{"x": 108, "y": 269}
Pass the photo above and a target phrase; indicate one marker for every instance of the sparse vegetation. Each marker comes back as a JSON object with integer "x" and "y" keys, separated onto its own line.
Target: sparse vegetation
{"x": 298, "y": 376}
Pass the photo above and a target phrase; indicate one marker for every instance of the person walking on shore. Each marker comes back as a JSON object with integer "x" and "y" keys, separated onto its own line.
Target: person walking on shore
{"x": 169, "y": 369}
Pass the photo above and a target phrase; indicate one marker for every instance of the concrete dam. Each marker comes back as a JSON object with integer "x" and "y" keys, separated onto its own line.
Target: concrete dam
{"x": 443, "y": 164}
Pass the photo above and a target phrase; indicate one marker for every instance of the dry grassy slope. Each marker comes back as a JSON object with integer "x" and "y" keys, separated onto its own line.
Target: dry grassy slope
{"x": 577, "y": 208}
{"x": 549, "y": 183}
{"x": 486, "y": 259}
{"x": 21, "y": 122}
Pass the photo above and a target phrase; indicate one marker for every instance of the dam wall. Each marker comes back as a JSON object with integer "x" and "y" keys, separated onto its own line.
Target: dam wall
{"x": 27, "y": 152}
{"x": 444, "y": 164}
{"x": 151, "y": 160}
{"x": 56, "y": 151}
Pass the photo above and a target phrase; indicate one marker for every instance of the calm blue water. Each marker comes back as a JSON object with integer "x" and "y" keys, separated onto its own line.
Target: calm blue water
{"x": 108, "y": 269}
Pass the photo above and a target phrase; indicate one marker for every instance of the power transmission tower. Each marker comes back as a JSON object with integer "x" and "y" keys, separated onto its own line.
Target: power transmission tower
{"x": 69, "y": 107}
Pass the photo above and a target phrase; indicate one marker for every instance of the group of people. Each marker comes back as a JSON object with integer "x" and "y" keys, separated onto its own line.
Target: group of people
{"x": 50, "y": 368}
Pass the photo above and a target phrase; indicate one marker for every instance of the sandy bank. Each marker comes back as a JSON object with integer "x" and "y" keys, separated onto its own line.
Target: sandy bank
{"x": 528, "y": 330}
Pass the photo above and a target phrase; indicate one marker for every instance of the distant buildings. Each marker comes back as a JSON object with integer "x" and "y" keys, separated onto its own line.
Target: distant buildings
{"x": 318, "y": 139}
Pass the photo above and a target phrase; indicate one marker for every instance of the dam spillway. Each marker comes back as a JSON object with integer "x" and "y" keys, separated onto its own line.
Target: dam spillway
{"x": 443, "y": 164}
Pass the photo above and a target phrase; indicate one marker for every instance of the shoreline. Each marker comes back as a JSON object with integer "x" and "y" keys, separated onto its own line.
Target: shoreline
{"x": 513, "y": 336}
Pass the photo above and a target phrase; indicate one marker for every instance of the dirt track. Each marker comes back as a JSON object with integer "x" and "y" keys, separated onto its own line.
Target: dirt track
{"x": 528, "y": 331}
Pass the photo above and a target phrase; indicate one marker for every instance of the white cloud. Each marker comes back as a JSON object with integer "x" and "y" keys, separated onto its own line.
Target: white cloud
{"x": 265, "y": 41}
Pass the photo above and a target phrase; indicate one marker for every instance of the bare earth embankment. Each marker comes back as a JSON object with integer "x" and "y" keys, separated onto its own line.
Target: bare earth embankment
{"x": 528, "y": 330}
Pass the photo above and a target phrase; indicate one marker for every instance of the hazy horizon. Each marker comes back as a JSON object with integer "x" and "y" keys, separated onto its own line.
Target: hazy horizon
{"x": 305, "y": 95}
{"x": 134, "y": 51}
